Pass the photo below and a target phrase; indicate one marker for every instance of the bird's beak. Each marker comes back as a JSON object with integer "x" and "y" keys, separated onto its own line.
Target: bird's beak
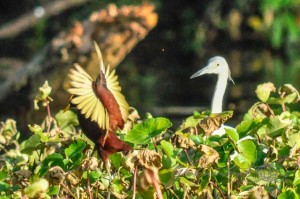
{"x": 203, "y": 71}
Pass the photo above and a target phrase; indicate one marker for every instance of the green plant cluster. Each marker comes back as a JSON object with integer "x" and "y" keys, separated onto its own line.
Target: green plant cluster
{"x": 257, "y": 159}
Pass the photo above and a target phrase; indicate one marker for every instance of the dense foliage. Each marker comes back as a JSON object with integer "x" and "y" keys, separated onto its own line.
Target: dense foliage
{"x": 259, "y": 157}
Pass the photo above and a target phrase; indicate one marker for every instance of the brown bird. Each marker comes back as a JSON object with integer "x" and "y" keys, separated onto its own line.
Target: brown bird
{"x": 102, "y": 108}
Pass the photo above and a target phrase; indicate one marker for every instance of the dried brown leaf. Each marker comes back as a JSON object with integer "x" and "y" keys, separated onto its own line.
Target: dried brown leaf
{"x": 214, "y": 122}
{"x": 209, "y": 157}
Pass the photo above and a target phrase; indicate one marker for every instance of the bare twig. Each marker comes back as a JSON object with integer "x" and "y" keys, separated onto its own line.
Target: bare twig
{"x": 29, "y": 19}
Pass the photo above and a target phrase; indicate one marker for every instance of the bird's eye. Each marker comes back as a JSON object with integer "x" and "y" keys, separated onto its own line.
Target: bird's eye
{"x": 218, "y": 64}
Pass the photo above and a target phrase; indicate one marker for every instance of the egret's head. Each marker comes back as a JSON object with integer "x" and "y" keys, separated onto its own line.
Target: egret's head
{"x": 216, "y": 65}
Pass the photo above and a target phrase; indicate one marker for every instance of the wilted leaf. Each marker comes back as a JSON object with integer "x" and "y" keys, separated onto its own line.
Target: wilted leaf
{"x": 184, "y": 141}
{"x": 214, "y": 121}
{"x": 55, "y": 175}
{"x": 263, "y": 91}
{"x": 8, "y": 130}
{"x": 209, "y": 156}
{"x": 149, "y": 158}
{"x": 289, "y": 93}
{"x": 142, "y": 133}
{"x": 43, "y": 95}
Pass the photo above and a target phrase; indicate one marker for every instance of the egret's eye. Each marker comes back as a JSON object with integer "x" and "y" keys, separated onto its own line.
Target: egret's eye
{"x": 218, "y": 64}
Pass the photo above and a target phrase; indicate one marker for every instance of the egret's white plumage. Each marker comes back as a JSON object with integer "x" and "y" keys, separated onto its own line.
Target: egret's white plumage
{"x": 217, "y": 65}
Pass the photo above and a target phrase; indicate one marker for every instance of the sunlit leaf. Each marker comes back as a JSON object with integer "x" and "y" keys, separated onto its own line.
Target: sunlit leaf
{"x": 66, "y": 118}
{"x": 288, "y": 194}
{"x": 263, "y": 91}
{"x": 246, "y": 154}
{"x": 31, "y": 144}
{"x": 167, "y": 147}
{"x": 232, "y": 134}
{"x": 38, "y": 189}
{"x": 142, "y": 133}
{"x": 276, "y": 126}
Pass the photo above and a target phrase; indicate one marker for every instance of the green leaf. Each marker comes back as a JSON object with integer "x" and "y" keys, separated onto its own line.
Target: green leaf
{"x": 51, "y": 160}
{"x": 276, "y": 126}
{"x": 142, "y": 133}
{"x": 297, "y": 178}
{"x": 4, "y": 186}
{"x": 167, "y": 147}
{"x": 36, "y": 129}
{"x": 31, "y": 144}
{"x": 76, "y": 147}
{"x": 37, "y": 188}
{"x": 288, "y": 194}
{"x": 53, "y": 190}
{"x": 247, "y": 154}
{"x": 263, "y": 91}
{"x": 232, "y": 134}
{"x": 204, "y": 180}
{"x": 116, "y": 160}
{"x": 66, "y": 119}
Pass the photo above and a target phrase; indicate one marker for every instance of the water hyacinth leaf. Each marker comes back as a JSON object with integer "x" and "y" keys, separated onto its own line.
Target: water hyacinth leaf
{"x": 4, "y": 186}
{"x": 167, "y": 147}
{"x": 215, "y": 121}
{"x": 297, "y": 178}
{"x": 51, "y": 160}
{"x": 116, "y": 160}
{"x": 75, "y": 148}
{"x": 276, "y": 126}
{"x": 289, "y": 92}
{"x": 31, "y": 144}
{"x": 247, "y": 154}
{"x": 263, "y": 91}
{"x": 36, "y": 129}
{"x": 53, "y": 190}
{"x": 142, "y": 133}
{"x": 209, "y": 156}
{"x": 37, "y": 189}
{"x": 232, "y": 134}
{"x": 167, "y": 176}
{"x": 43, "y": 95}
{"x": 288, "y": 194}
{"x": 191, "y": 121}
{"x": 66, "y": 119}
{"x": 204, "y": 180}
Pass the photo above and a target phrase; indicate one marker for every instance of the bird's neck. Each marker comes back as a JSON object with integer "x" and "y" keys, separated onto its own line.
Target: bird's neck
{"x": 219, "y": 93}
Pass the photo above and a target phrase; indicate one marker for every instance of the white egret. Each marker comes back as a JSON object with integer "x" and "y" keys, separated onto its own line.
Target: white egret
{"x": 217, "y": 65}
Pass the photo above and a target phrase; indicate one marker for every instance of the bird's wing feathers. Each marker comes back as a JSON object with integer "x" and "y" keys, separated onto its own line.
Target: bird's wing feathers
{"x": 85, "y": 98}
{"x": 113, "y": 85}
{"x": 115, "y": 88}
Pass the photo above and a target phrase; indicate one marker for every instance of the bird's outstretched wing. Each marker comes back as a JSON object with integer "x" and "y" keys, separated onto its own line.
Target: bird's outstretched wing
{"x": 87, "y": 101}
{"x": 113, "y": 86}
{"x": 85, "y": 98}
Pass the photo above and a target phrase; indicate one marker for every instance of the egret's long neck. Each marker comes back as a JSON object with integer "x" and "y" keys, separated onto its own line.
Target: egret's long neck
{"x": 219, "y": 93}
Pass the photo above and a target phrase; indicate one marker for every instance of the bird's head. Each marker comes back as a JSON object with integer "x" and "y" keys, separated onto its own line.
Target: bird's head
{"x": 216, "y": 65}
